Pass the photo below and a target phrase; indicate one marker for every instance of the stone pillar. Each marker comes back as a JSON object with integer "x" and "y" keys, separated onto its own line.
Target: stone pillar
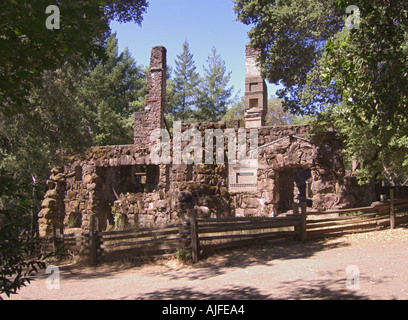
{"x": 256, "y": 94}
{"x": 153, "y": 115}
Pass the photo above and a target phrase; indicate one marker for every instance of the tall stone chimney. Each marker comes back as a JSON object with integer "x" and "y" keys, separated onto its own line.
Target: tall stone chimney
{"x": 153, "y": 115}
{"x": 256, "y": 92}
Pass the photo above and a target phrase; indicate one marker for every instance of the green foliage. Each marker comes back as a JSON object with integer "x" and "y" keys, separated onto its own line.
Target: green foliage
{"x": 235, "y": 112}
{"x": 183, "y": 255}
{"x": 51, "y": 122}
{"x": 119, "y": 220}
{"x": 126, "y": 10}
{"x": 214, "y": 95}
{"x": 191, "y": 97}
{"x": 319, "y": 126}
{"x": 352, "y": 214}
{"x": 27, "y": 47}
{"x": 105, "y": 94}
{"x": 306, "y": 119}
{"x": 186, "y": 81}
{"x": 15, "y": 268}
{"x": 369, "y": 67}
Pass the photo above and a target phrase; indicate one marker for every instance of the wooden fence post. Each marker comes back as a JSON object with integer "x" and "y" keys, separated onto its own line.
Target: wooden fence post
{"x": 194, "y": 235}
{"x": 295, "y": 207}
{"x": 92, "y": 241}
{"x": 303, "y": 217}
{"x": 184, "y": 227}
{"x": 392, "y": 209}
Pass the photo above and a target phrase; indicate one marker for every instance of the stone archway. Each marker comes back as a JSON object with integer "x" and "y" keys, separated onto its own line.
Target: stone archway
{"x": 324, "y": 161}
{"x": 285, "y": 166}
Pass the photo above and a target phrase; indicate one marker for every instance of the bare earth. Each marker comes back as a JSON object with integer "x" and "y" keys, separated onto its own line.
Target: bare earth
{"x": 280, "y": 270}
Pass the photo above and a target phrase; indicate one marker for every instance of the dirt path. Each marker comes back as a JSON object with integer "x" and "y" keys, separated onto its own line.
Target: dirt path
{"x": 284, "y": 270}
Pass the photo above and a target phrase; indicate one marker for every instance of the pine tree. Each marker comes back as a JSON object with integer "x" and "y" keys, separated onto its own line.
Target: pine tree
{"x": 186, "y": 81}
{"x": 214, "y": 94}
{"x": 108, "y": 94}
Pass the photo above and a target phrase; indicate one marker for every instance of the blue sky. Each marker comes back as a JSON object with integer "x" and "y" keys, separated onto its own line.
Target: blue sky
{"x": 203, "y": 23}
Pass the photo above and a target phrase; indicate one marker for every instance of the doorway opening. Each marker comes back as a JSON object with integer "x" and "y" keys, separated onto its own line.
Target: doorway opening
{"x": 292, "y": 187}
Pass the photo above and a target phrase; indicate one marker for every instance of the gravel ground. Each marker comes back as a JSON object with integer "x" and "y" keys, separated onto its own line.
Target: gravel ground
{"x": 371, "y": 265}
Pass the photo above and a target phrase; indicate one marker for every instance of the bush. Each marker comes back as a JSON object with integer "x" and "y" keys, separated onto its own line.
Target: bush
{"x": 183, "y": 255}
{"x": 16, "y": 268}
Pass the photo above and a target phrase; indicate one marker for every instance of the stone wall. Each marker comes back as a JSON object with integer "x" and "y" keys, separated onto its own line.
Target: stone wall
{"x": 203, "y": 186}
{"x": 148, "y": 207}
{"x": 118, "y": 186}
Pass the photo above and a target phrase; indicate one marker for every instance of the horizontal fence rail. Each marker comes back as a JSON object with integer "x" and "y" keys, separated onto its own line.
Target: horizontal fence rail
{"x": 212, "y": 234}
{"x": 199, "y": 235}
{"x": 215, "y": 234}
{"x": 133, "y": 244}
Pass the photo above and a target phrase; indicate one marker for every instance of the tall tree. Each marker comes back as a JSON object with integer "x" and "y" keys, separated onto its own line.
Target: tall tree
{"x": 29, "y": 141}
{"x": 186, "y": 81}
{"x": 368, "y": 66}
{"x": 215, "y": 94}
{"x": 28, "y": 144}
{"x": 28, "y": 46}
{"x": 106, "y": 94}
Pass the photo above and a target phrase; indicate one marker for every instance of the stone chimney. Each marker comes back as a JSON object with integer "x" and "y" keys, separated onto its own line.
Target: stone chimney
{"x": 153, "y": 115}
{"x": 256, "y": 93}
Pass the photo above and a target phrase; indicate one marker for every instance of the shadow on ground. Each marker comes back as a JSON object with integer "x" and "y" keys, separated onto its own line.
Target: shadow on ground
{"x": 322, "y": 289}
{"x": 233, "y": 293}
{"x": 298, "y": 290}
{"x": 214, "y": 264}
{"x": 211, "y": 264}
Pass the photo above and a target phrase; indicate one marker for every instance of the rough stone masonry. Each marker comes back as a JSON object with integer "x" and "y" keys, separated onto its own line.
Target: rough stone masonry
{"x": 121, "y": 186}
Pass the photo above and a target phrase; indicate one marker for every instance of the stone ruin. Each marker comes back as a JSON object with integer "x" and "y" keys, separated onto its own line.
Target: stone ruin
{"x": 121, "y": 185}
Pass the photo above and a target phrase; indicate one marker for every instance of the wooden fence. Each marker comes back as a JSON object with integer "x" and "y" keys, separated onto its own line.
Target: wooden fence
{"x": 337, "y": 222}
{"x": 210, "y": 234}
{"x": 76, "y": 243}
{"x": 143, "y": 242}
{"x": 198, "y": 235}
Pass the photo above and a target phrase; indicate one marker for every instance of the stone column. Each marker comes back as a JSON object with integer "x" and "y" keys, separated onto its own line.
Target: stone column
{"x": 153, "y": 115}
{"x": 256, "y": 94}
